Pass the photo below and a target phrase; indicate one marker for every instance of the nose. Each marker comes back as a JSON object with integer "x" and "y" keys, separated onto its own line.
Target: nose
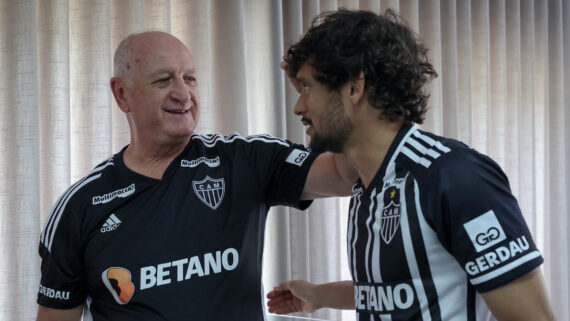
{"x": 301, "y": 105}
{"x": 180, "y": 91}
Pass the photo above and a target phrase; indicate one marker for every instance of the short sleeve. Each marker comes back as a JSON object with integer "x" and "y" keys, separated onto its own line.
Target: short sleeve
{"x": 478, "y": 219}
{"x": 62, "y": 284}
{"x": 281, "y": 168}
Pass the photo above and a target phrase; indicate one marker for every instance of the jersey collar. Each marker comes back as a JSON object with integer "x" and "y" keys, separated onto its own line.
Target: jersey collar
{"x": 387, "y": 169}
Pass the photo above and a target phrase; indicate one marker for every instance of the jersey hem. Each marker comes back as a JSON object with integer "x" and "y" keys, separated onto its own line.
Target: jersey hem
{"x": 508, "y": 278}
{"x": 57, "y": 305}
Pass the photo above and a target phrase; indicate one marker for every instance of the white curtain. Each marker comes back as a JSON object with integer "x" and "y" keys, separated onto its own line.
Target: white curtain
{"x": 503, "y": 88}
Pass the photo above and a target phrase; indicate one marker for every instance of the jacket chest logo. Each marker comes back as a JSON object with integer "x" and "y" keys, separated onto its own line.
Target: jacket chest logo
{"x": 210, "y": 191}
{"x": 391, "y": 214}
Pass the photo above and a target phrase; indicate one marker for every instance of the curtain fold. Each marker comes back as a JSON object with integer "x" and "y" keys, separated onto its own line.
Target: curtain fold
{"x": 557, "y": 185}
{"x": 503, "y": 88}
{"x": 19, "y": 156}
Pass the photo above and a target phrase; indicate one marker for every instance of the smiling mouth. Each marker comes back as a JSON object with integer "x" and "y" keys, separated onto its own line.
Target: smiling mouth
{"x": 306, "y": 121}
{"x": 178, "y": 111}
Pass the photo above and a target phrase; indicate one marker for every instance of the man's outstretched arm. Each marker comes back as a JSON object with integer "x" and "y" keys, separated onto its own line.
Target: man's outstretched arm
{"x": 302, "y": 296}
{"x": 330, "y": 175}
{"x": 524, "y": 299}
{"x": 49, "y": 314}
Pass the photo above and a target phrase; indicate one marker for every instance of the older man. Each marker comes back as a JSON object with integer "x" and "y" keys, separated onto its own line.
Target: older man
{"x": 171, "y": 227}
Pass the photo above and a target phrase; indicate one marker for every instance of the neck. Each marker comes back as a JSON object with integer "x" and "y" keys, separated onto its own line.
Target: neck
{"x": 151, "y": 160}
{"x": 369, "y": 145}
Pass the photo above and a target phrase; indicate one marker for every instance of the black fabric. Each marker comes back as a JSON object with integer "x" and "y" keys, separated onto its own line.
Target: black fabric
{"x": 437, "y": 225}
{"x": 185, "y": 247}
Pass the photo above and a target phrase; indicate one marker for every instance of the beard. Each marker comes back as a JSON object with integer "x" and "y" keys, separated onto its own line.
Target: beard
{"x": 336, "y": 128}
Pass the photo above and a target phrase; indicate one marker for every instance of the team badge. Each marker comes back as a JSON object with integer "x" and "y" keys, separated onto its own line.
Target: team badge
{"x": 390, "y": 214}
{"x": 210, "y": 191}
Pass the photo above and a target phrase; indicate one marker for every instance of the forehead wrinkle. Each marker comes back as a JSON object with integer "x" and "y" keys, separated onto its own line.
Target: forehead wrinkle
{"x": 158, "y": 62}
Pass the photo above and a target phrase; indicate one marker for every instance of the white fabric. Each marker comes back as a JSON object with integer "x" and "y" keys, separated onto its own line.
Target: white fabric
{"x": 503, "y": 89}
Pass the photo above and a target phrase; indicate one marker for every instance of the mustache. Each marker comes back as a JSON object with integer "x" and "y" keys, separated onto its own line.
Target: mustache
{"x": 307, "y": 121}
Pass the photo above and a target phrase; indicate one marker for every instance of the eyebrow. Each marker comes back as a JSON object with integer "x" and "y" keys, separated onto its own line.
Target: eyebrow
{"x": 302, "y": 80}
{"x": 190, "y": 71}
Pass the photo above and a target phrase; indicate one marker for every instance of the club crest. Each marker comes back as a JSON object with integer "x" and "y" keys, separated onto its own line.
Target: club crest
{"x": 210, "y": 191}
{"x": 390, "y": 214}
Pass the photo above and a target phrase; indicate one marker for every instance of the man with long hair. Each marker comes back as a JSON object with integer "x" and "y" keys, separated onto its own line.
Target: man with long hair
{"x": 434, "y": 232}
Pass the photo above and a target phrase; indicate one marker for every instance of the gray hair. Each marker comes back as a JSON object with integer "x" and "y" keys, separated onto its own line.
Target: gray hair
{"x": 121, "y": 64}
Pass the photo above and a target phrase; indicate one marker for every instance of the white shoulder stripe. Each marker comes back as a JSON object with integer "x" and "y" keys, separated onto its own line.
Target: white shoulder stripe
{"x": 267, "y": 140}
{"x": 430, "y": 141}
{"x": 57, "y": 204}
{"x": 211, "y": 141}
{"x": 49, "y": 240}
{"x": 422, "y": 149}
{"x": 57, "y": 209}
{"x": 390, "y": 169}
{"x": 418, "y": 159}
{"x": 505, "y": 269}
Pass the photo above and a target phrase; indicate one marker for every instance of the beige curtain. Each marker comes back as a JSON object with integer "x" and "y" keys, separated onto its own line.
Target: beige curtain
{"x": 504, "y": 89}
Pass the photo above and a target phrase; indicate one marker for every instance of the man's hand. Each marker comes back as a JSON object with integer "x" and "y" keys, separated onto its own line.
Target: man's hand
{"x": 292, "y": 296}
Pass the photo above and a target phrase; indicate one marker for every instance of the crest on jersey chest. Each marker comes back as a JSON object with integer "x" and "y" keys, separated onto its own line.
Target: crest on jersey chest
{"x": 391, "y": 213}
{"x": 210, "y": 191}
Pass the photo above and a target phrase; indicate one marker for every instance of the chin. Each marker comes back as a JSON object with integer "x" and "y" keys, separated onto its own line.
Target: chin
{"x": 319, "y": 148}
{"x": 179, "y": 135}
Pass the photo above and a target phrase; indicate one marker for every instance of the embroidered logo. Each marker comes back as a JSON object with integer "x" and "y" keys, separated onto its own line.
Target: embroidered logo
{"x": 391, "y": 214}
{"x": 118, "y": 282}
{"x": 297, "y": 157}
{"x": 485, "y": 231}
{"x": 210, "y": 191}
{"x": 110, "y": 224}
{"x": 122, "y": 193}
{"x": 211, "y": 162}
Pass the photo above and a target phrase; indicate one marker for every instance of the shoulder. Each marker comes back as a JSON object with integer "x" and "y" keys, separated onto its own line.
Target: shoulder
{"x": 68, "y": 207}
{"x": 213, "y": 140}
{"x": 447, "y": 161}
{"x": 97, "y": 176}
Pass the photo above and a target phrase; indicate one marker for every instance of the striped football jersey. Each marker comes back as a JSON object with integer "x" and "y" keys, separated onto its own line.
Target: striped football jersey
{"x": 437, "y": 225}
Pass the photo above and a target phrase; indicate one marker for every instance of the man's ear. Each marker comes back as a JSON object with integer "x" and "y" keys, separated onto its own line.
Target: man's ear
{"x": 356, "y": 89}
{"x": 118, "y": 89}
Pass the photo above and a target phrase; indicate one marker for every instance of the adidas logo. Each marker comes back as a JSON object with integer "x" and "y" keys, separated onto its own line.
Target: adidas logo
{"x": 111, "y": 224}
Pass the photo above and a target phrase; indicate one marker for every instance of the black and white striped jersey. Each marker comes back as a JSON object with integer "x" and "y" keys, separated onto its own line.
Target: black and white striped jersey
{"x": 186, "y": 247}
{"x": 437, "y": 225}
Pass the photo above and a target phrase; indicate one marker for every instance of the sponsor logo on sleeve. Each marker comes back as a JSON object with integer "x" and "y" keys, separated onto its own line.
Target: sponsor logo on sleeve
{"x": 54, "y": 294}
{"x": 297, "y": 157}
{"x": 498, "y": 257}
{"x": 210, "y": 191}
{"x": 485, "y": 231}
{"x": 210, "y": 162}
{"x": 121, "y": 193}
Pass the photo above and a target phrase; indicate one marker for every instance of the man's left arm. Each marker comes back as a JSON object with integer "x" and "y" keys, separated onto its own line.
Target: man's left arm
{"x": 525, "y": 298}
{"x": 329, "y": 175}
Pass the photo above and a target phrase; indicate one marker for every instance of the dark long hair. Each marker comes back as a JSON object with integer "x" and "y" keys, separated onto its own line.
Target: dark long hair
{"x": 342, "y": 44}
